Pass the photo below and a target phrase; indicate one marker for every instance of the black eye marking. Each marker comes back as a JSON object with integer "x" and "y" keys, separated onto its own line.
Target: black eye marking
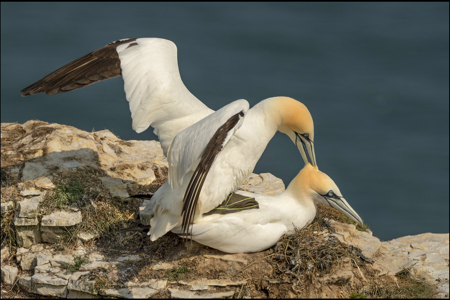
{"x": 306, "y": 135}
{"x": 330, "y": 194}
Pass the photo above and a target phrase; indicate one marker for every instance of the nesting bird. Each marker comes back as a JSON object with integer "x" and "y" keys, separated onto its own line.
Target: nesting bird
{"x": 255, "y": 230}
{"x": 210, "y": 154}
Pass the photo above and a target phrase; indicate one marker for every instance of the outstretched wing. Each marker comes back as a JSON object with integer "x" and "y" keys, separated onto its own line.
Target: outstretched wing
{"x": 153, "y": 86}
{"x": 96, "y": 66}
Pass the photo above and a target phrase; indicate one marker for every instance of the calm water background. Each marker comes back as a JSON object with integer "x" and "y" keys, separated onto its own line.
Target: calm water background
{"x": 375, "y": 77}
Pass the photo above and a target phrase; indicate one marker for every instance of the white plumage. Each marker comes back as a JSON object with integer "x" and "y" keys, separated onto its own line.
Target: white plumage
{"x": 258, "y": 229}
{"x": 184, "y": 125}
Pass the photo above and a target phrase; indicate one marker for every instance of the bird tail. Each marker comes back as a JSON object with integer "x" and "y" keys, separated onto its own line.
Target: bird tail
{"x": 161, "y": 225}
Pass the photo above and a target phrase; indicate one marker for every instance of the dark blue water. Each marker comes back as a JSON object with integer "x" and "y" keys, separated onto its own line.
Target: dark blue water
{"x": 375, "y": 77}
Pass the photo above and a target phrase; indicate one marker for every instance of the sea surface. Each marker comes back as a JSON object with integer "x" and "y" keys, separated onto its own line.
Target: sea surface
{"x": 375, "y": 77}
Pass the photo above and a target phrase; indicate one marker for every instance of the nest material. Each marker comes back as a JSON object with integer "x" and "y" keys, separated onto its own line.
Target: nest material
{"x": 306, "y": 255}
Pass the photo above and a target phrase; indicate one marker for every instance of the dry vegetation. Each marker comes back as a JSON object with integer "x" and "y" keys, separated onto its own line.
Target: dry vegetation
{"x": 300, "y": 265}
{"x": 297, "y": 266}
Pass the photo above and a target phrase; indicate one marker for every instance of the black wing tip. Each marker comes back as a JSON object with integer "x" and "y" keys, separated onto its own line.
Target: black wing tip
{"x": 26, "y": 93}
{"x": 30, "y": 90}
{"x": 45, "y": 85}
{"x": 142, "y": 196}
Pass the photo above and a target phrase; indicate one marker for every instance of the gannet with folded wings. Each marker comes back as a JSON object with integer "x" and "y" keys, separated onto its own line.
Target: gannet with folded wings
{"x": 255, "y": 230}
{"x": 266, "y": 218}
{"x": 228, "y": 142}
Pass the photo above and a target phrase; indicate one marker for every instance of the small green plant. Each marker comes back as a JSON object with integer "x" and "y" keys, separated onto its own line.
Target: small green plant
{"x": 357, "y": 296}
{"x": 78, "y": 261}
{"x": 68, "y": 194}
{"x": 177, "y": 273}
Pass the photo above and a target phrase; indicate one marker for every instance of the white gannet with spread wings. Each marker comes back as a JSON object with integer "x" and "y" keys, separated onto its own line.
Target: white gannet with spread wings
{"x": 229, "y": 142}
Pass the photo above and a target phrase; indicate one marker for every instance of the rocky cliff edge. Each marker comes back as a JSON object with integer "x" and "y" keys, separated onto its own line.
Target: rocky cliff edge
{"x": 66, "y": 194}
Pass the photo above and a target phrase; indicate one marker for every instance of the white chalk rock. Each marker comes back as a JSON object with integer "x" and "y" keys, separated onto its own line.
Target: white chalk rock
{"x": 9, "y": 274}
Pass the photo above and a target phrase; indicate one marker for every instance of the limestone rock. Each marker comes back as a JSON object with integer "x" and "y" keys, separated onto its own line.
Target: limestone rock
{"x": 52, "y": 234}
{"x": 153, "y": 283}
{"x": 30, "y": 192}
{"x": 49, "y": 285}
{"x": 426, "y": 255}
{"x": 60, "y": 259}
{"x": 264, "y": 183}
{"x": 9, "y": 274}
{"x": 28, "y": 261}
{"x": 43, "y": 258}
{"x": 44, "y": 183}
{"x": 71, "y": 294}
{"x": 115, "y": 186}
{"x": 92, "y": 265}
{"x": 27, "y": 235}
{"x": 25, "y": 283}
{"x": 62, "y": 219}
{"x": 60, "y": 161}
{"x": 130, "y": 292}
{"x": 53, "y": 226}
{"x": 27, "y": 214}
{"x": 47, "y": 148}
{"x": 105, "y": 134}
{"x": 366, "y": 242}
{"x": 85, "y": 286}
{"x": 87, "y": 236}
{"x": 162, "y": 266}
{"x": 347, "y": 233}
{"x": 21, "y": 251}
{"x": 5, "y": 253}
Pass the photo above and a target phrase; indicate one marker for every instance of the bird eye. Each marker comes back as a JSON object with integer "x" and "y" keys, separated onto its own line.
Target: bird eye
{"x": 330, "y": 193}
{"x": 306, "y": 135}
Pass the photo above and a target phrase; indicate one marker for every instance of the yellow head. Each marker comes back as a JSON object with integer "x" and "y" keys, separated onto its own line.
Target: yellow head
{"x": 311, "y": 183}
{"x": 296, "y": 121}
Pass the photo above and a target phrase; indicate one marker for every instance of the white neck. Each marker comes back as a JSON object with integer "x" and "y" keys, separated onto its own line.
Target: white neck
{"x": 260, "y": 124}
{"x": 303, "y": 203}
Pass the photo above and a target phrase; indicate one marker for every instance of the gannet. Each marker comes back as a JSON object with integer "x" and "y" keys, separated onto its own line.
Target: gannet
{"x": 228, "y": 142}
{"x": 267, "y": 218}
{"x": 255, "y": 230}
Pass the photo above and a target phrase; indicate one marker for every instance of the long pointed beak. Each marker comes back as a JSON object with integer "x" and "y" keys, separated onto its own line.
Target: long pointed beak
{"x": 343, "y": 206}
{"x": 306, "y": 147}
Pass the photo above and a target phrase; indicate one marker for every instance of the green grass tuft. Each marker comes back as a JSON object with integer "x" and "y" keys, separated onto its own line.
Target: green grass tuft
{"x": 68, "y": 194}
{"x": 176, "y": 274}
{"x": 78, "y": 261}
